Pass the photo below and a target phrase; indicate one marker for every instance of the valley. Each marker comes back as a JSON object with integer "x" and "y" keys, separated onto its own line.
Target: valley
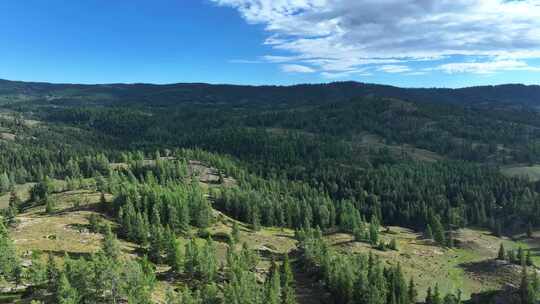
{"x": 370, "y": 200}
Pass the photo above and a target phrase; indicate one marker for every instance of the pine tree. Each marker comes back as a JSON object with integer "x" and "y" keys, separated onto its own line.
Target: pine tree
{"x": 373, "y": 232}
{"x": 438, "y": 231}
{"x": 450, "y": 240}
{"x": 511, "y": 255}
{"x": 155, "y": 249}
{"x": 429, "y": 296}
{"x": 501, "y": 254}
{"x": 52, "y": 272}
{"x": 428, "y": 233}
{"x": 174, "y": 255}
{"x": 8, "y": 255}
{"x": 49, "y": 205}
{"x": 111, "y": 247}
{"x": 524, "y": 288}
{"x": 5, "y": 183}
{"x": 521, "y": 256}
{"x": 412, "y": 294}
{"x": 235, "y": 232}
{"x": 272, "y": 286}
{"x": 528, "y": 258}
{"x": 65, "y": 293}
{"x": 287, "y": 282}
{"x": 437, "y": 295}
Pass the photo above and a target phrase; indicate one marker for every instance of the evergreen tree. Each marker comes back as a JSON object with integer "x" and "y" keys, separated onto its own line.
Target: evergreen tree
{"x": 428, "y": 233}
{"x": 429, "y": 296}
{"x": 52, "y": 272}
{"x": 412, "y": 294}
{"x": 272, "y": 286}
{"x": 49, "y": 205}
{"x": 437, "y": 295}
{"x": 174, "y": 254}
{"x": 528, "y": 258}
{"x": 501, "y": 255}
{"x": 235, "y": 232}
{"x": 373, "y": 232}
{"x": 5, "y": 183}
{"x": 9, "y": 260}
{"x": 524, "y": 288}
{"x": 438, "y": 231}
{"x": 287, "y": 282}
{"x": 65, "y": 293}
{"x": 111, "y": 246}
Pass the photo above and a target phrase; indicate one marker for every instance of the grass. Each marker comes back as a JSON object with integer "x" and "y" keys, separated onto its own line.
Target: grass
{"x": 21, "y": 190}
{"x": 469, "y": 267}
{"x": 530, "y": 172}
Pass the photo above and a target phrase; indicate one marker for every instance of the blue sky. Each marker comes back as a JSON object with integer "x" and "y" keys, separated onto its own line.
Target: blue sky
{"x": 404, "y": 43}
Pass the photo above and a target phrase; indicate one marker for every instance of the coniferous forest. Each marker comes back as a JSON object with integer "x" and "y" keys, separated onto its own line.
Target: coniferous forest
{"x": 303, "y": 196}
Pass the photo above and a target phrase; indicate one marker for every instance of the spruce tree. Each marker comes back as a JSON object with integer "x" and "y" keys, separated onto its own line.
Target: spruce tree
{"x": 272, "y": 286}
{"x": 524, "y": 287}
{"x": 437, "y": 295}
{"x": 235, "y": 232}
{"x": 428, "y": 233}
{"x": 65, "y": 293}
{"x": 5, "y": 183}
{"x": 174, "y": 255}
{"x": 438, "y": 231}
{"x": 373, "y": 232}
{"x": 111, "y": 246}
{"x": 287, "y": 282}
{"x": 412, "y": 294}
{"x": 429, "y": 296}
{"x": 52, "y": 271}
{"x": 528, "y": 258}
{"x": 501, "y": 254}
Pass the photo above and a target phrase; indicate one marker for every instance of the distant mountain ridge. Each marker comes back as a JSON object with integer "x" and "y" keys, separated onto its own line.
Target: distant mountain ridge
{"x": 168, "y": 94}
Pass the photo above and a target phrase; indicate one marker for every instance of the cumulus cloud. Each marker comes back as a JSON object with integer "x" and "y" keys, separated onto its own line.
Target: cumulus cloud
{"x": 296, "y": 68}
{"x": 337, "y": 36}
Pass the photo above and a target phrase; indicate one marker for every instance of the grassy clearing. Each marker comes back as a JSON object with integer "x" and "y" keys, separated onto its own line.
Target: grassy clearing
{"x": 21, "y": 190}
{"x": 65, "y": 230}
{"x": 530, "y": 172}
{"x": 469, "y": 267}
{"x": 368, "y": 140}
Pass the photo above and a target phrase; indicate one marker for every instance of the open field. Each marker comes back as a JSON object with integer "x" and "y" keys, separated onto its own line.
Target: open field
{"x": 22, "y": 192}
{"x": 531, "y": 172}
{"x": 470, "y": 267}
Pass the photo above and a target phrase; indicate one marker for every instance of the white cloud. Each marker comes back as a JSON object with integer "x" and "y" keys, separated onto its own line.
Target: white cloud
{"x": 394, "y": 68}
{"x": 336, "y": 36}
{"x": 488, "y": 67}
{"x": 296, "y": 68}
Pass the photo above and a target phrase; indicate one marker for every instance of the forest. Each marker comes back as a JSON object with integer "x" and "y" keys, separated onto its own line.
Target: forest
{"x": 177, "y": 194}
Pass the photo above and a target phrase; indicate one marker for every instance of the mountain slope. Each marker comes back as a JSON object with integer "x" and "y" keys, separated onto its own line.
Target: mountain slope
{"x": 304, "y": 93}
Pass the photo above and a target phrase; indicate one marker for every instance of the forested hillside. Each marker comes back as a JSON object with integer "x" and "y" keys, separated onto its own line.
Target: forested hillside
{"x": 171, "y": 94}
{"x": 343, "y": 193}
